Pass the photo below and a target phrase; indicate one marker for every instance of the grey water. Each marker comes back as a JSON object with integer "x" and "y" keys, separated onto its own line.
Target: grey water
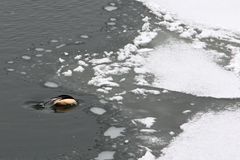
{"x": 33, "y": 35}
{"x": 30, "y": 24}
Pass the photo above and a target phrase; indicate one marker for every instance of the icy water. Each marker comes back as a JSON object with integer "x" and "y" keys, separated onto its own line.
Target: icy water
{"x": 129, "y": 106}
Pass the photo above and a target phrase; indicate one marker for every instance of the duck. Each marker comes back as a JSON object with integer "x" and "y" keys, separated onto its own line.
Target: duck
{"x": 63, "y": 103}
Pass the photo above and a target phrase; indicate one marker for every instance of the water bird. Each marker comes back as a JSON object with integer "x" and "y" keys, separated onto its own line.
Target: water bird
{"x": 62, "y": 103}
{"x": 59, "y": 104}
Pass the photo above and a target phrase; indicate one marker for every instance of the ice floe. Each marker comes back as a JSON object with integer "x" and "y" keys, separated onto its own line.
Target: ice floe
{"x": 97, "y": 110}
{"x": 180, "y": 67}
{"x": 51, "y": 84}
{"x": 110, "y": 8}
{"x": 208, "y": 136}
{"x": 105, "y": 155}
{"x": 148, "y": 156}
{"x": 148, "y": 121}
{"x": 78, "y": 69}
{"x": 144, "y": 92}
{"x": 39, "y": 49}
{"x": 67, "y": 73}
{"x": 114, "y": 132}
{"x": 26, "y": 57}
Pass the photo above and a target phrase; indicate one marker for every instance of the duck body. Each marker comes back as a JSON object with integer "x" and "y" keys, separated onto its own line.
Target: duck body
{"x": 63, "y": 103}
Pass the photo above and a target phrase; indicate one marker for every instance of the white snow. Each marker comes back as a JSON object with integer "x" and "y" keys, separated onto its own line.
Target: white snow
{"x": 148, "y": 121}
{"x": 180, "y": 67}
{"x": 82, "y": 63}
{"x": 78, "y": 69}
{"x": 100, "y": 61}
{"x": 148, "y": 130}
{"x": 78, "y": 57}
{"x": 210, "y": 136}
{"x": 116, "y": 98}
{"x": 148, "y": 156}
{"x": 105, "y": 155}
{"x": 144, "y": 92}
{"x": 235, "y": 61}
{"x": 114, "y": 132}
{"x": 144, "y": 38}
{"x": 68, "y": 73}
{"x": 61, "y": 60}
{"x": 212, "y": 13}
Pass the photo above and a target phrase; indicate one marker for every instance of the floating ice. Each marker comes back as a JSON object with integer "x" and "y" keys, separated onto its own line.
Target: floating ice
{"x": 186, "y": 111}
{"x": 110, "y": 8}
{"x": 84, "y": 36}
{"x": 26, "y": 57}
{"x": 78, "y": 57}
{"x": 114, "y": 132}
{"x": 210, "y": 136}
{"x": 181, "y": 67}
{"x": 54, "y": 41}
{"x": 68, "y": 73}
{"x": 60, "y": 46}
{"x": 171, "y": 133}
{"x": 144, "y": 38}
{"x": 82, "y": 63}
{"x": 101, "y": 81}
{"x": 100, "y": 61}
{"x": 10, "y": 62}
{"x": 39, "y": 49}
{"x": 61, "y": 60}
{"x": 148, "y": 122}
{"x": 116, "y": 98}
{"x": 148, "y": 156}
{"x": 111, "y": 23}
{"x": 148, "y": 130}
{"x": 10, "y": 69}
{"x": 113, "y": 19}
{"x": 105, "y": 155}
{"x": 143, "y": 91}
{"x": 39, "y": 55}
{"x": 97, "y": 110}
{"x": 66, "y": 53}
{"x": 78, "y": 69}
{"x": 51, "y": 84}
{"x": 48, "y": 50}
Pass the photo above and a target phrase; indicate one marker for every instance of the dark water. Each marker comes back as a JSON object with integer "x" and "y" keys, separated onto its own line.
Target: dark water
{"x": 29, "y": 24}
{"x": 27, "y": 134}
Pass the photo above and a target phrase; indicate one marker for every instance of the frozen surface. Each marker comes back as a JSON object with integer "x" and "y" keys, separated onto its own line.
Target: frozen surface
{"x": 97, "y": 110}
{"x": 148, "y": 156}
{"x": 211, "y": 136}
{"x": 180, "y": 67}
{"x": 114, "y": 132}
{"x": 105, "y": 155}
{"x": 148, "y": 122}
{"x": 51, "y": 84}
{"x": 212, "y": 13}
